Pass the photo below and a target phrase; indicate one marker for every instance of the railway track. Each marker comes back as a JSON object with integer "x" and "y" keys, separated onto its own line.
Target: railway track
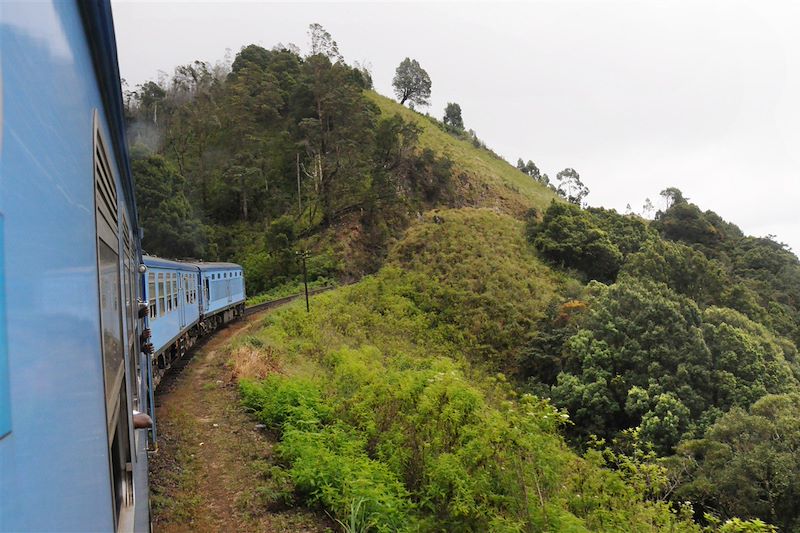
{"x": 286, "y": 299}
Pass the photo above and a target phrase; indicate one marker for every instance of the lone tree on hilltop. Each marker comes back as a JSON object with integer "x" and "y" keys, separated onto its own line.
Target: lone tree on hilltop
{"x": 412, "y": 83}
{"x": 571, "y": 187}
{"x": 672, "y": 195}
{"x": 322, "y": 43}
{"x": 648, "y": 208}
{"x": 452, "y": 116}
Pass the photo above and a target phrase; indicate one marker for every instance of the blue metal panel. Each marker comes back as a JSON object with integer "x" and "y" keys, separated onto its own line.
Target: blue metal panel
{"x": 225, "y": 287}
{"x": 54, "y": 464}
{"x": 151, "y": 261}
{"x": 167, "y": 327}
{"x": 5, "y": 407}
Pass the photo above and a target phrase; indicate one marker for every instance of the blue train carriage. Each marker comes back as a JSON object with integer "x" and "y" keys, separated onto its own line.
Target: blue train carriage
{"x": 172, "y": 292}
{"x": 71, "y": 370}
{"x": 222, "y": 293}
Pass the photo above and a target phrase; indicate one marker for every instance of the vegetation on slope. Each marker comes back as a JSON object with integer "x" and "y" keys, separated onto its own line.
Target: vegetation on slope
{"x": 483, "y": 178}
{"x": 381, "y": 409}
{"x": 671, "y": 345}
{"x": 278, "y": 152}
{"x": 389, "y": 419}
{"x": 698, "y": 325}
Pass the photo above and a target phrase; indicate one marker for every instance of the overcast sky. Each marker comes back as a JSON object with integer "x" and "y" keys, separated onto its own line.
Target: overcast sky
{"x": 635, "y": 95}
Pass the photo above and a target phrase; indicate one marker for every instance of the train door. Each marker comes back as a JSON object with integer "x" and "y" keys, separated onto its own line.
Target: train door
{"x": 111, "y": 339}
{"x": 228, "y": 286}
{"x": 206, "y": 293}
{"x": 131, "y": 312}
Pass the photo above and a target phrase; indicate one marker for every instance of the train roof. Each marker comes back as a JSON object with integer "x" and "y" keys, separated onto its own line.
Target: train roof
{"x": 99, "y": 27}
{"x": 158, "y": 262}
{"x": 217, "y": 266}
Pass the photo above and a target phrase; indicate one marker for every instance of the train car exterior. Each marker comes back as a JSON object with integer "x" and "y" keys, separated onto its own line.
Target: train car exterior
{"x": 172, "y": 293}
{"x": 222, "y": 292}
{"x": 71, "y": 369}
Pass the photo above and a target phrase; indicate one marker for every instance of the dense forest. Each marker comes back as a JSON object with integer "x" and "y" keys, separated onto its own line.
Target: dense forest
{"x": 510, "y": 360}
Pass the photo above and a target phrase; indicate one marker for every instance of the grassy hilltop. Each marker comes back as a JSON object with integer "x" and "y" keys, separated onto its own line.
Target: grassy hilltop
{"x": 484, "y": 179}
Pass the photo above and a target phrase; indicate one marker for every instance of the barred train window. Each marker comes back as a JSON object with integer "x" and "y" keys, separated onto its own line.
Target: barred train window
{"x": 162, "y": 307}
{"x": 168, "y": 292}
{"x": 151, "y": 294}
{"x": 174, "y": 291}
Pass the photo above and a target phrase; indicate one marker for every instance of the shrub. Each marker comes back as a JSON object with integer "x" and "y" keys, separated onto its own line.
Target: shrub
{"x": 568, "y": 236}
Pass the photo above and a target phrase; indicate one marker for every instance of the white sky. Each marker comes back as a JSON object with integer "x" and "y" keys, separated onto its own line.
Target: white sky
{"x": 635, "y": 95}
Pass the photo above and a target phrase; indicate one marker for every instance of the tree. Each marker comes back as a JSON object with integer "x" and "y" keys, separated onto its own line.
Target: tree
{"x": 686, "y": 222}
{"x": 568, "y": 236}
{"x": 452, "y": 116}
{"x": 411, "y": 83}
{"x": 647, "y": 208}
{"x": 672, "y": 196}
{"x": 170, "y": 227}
{"x": 622, "y": 371}
{"x": 322, "y": 43}
{"x": 681, "y": 267}
{"x": 747, "y": 464}
{"x": 533, "y": 171}
{"x": 571, "y": 187}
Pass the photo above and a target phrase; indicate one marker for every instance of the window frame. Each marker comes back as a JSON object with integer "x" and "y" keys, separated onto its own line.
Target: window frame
{"x": 162, "y": 304}
{"x": 152, "y": 307}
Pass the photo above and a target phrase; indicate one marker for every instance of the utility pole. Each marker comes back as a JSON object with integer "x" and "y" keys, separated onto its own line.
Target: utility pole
{"x": 299, "y": 198}
{"x": 304, "y": 255}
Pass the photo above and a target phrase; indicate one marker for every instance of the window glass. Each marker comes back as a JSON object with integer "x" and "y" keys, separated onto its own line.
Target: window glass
{"x": 175, "y": 290}
{"x": 111, "y": 318}
{"x": 169, "y": 291}
{"x": 162, "y": 306}
{"x": 151, "y": 294}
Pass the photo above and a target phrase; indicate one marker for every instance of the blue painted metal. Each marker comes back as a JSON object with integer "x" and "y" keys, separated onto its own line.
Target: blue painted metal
{"x": 5, "y": 399}
{"x": 223, "y": 286}
{"x": 175, "y": 320}
{"x": 58, "y": 65}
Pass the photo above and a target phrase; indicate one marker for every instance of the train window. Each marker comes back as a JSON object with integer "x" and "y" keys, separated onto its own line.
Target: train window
{"x": 174, "y": 291}
{"x": 111, "y": 317}
{"x": 162, "y": 304}
{"x": 151, "y": 294}
{"x": 187, "y": 295}
{"x": 168, "y": 293}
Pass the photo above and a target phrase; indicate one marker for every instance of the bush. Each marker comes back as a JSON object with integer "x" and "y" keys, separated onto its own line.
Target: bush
{"x": 569, "y": 237}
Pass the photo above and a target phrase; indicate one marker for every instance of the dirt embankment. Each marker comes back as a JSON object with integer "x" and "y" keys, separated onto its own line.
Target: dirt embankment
{"x": 207, "y": 473}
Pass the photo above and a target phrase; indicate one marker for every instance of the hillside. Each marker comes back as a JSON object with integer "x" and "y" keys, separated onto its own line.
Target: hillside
{"x": 491, "y": 368}
{"x": 389, "y": 419}
{"x": 392, "y": 414}
{"x": 483, "y": 178}
{"x": 284, "y": 153}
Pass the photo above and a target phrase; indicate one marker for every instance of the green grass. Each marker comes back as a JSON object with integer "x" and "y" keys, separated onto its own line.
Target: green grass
{"x": 390, "y": 410}
{"x": 288, "y": 289}
{"x": 491, "y": 181}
